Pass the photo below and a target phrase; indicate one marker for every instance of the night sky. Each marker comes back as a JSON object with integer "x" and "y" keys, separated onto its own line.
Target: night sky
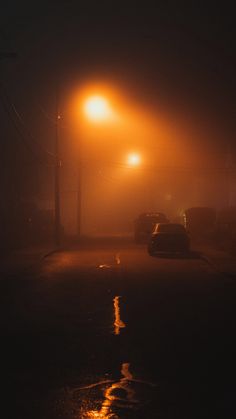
{"x": 171, "y": 51}
{"x": 174, "y": 56}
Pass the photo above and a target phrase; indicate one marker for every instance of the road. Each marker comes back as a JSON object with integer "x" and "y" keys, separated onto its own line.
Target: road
{"x": 106, "y": 331}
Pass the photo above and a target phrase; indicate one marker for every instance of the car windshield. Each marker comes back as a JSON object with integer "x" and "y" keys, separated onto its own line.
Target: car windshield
{"x": 153, "y": 218}
{"x": 170, "y": 228}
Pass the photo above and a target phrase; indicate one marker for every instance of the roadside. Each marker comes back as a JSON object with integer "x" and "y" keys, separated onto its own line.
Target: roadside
{"x": 221, "y": 260}
{"x": 21, "y": 260}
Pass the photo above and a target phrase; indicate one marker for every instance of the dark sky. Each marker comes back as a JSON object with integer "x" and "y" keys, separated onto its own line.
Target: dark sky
{"x": 167, "y": 46}
{"x": 174, "y": 54}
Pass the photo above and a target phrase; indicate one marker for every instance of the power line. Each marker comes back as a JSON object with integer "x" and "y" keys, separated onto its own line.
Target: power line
{"x": 29, "y": 133}
{"x": 19, "y": 117}
{"x": 157, "y": 168}
{"x": 9, "y": 110}
{"x": 48, "y": 117}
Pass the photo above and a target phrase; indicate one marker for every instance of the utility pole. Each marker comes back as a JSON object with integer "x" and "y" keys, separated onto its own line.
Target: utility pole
{"x": 79, "y": 189}
{"x": 228, "y": 165}
{"x": 57, "y": 168}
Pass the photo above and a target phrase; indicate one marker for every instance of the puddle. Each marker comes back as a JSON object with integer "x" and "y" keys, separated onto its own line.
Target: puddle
{"x": 117, "y": 396}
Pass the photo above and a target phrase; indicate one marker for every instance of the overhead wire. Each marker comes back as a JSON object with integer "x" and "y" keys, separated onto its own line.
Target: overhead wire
{"x": 11, "y": 112}
{"x": 21, "y": 121}
{"x": 24, "y": 135}
{"x": 29, "y": 133}
{"x": 187, "y": 169}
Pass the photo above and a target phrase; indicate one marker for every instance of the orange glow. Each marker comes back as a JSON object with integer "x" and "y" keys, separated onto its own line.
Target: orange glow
{"x": 110, "y": 397}
{"x": 118, "y": 323}
{"x": 97, "y": 103}
{"x": 117, "y": 394}
{"x": 97, "y": 108}
{"x": 134, "y": 159}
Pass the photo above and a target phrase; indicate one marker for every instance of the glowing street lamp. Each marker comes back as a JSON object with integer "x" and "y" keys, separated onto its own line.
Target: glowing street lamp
{"x": 97, "y": 108}
{"x": 134, "y": 159}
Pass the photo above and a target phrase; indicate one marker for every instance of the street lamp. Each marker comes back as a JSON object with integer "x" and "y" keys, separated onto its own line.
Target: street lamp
{"x": 134, "y": 159}
{"x": 97, "y": 108}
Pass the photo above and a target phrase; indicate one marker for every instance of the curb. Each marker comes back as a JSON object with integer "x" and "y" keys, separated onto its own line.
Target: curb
{"x": 214, "y": 266}
{"x": 51, "y": 252}
{"x": 209, "y": 261}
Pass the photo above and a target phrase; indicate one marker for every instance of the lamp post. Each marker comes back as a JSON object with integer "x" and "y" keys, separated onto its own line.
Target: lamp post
{"x": 57, "y": 167}
{"x": 79, "y": 193}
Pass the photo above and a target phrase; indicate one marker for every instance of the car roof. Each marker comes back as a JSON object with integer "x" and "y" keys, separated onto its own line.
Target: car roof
{"x": 169, "y": 227}
{"x": 151, "y": 214}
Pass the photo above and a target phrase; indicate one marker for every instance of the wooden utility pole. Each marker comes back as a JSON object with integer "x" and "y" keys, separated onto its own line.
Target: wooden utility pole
{"x": 79, "y": 198}
{"x": 57, "y": 168}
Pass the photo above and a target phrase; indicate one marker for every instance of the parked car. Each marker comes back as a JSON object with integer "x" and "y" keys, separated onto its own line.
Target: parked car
{"x": 168, "y": 237}
{"x": 200, "y": 222}
{"x": 145, "y": 223}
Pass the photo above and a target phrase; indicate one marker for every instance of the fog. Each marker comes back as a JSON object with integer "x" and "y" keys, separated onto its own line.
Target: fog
{"x": 170, "y": 86}
{"x": 184, "y": 162}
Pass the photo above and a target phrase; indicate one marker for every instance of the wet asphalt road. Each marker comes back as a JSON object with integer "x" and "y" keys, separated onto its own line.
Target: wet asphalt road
{"x": 110, "y": 332}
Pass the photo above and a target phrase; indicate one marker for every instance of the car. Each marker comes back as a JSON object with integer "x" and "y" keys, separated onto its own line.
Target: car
{"x": 168, "y": 237}
{"x": 200, "y": 221}
{"x": 145, "y": 223}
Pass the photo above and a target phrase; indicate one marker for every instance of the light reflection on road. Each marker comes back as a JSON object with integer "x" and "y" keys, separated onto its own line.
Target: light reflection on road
{"x": 119, "y": 395}
{"x": 104, "y": 266}
{"x": 121, "y": 387}
{"x": 110, "y": 398}
{"x": 117, "y": 258}
{"x": 118, "y": 323}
